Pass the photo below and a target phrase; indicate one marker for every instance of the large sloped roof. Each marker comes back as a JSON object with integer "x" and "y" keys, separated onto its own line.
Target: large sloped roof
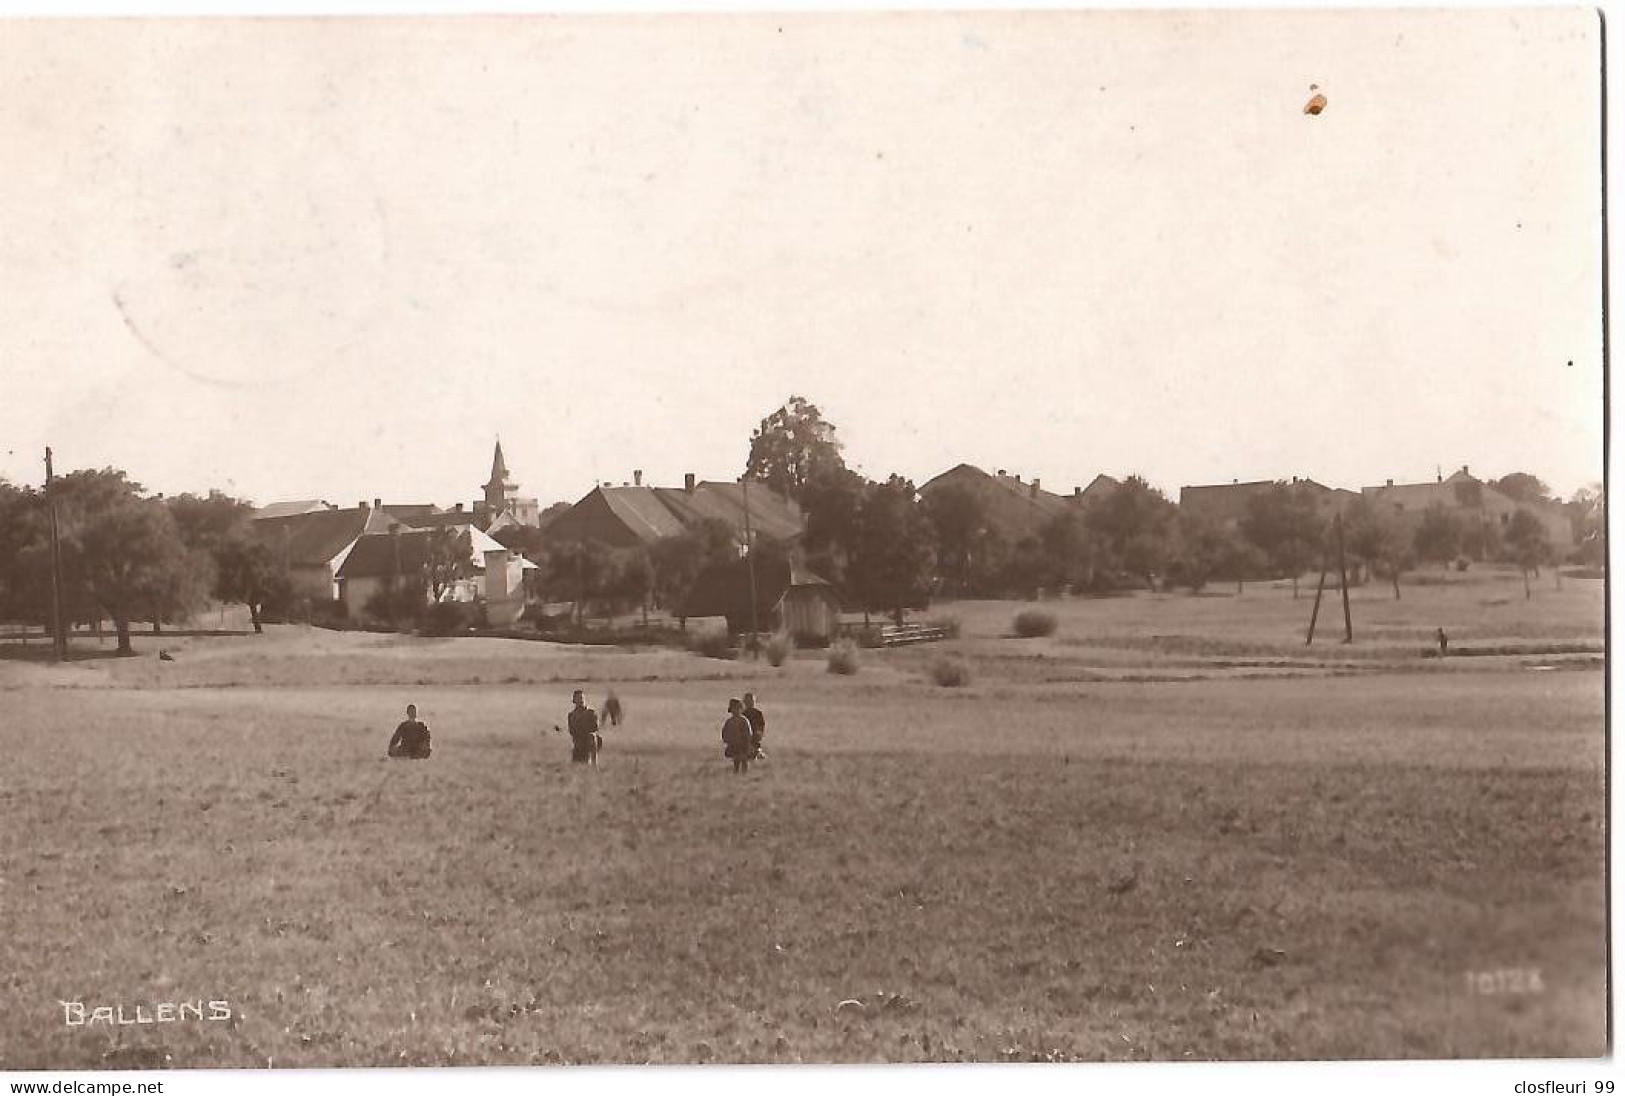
{"x": 288, "y": 508}
{"x": 772, "y": 517}
{"x": 316, "y": 539}
{"x": 619, "y": 517}
{"x": 375, "y": 555}
{"x": 623, "y": 517}
{"x": 1016, "y": 509}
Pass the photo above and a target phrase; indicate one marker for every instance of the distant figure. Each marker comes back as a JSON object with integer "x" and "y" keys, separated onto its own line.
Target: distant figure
{"x": 758, "y": 726}
{"x": 612, "y": 709}
{"x": 736, "y": 735}
{"x": 1444, "y": 643}
{"x": 411, "y": 739}
{"x": 583, "y": 726}
{"x": 165, "y": 656}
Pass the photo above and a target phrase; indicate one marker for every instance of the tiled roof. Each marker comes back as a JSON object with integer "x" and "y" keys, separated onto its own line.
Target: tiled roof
{"x": 375, "y": 555}
{"x": 316, "y": 539}
{"x": 1017, "y": 509}
{"x": 288, "y": 508}
{"x": 772, "y": 517}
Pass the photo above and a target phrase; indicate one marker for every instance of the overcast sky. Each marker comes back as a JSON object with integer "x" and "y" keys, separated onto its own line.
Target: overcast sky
{"x": 337, "y": 259}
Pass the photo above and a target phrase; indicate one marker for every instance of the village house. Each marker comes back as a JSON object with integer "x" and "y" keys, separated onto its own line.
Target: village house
{"x": 1017, "y": 509}
{"x": 1100, "y": 488}
{"x": 789, "y": 598}
{"x": 1226, "y": 504}
{"x": 314, "y": 545}
{"x": 634, "y": 515}
{"x": 492, "y": 574}
{"x": 1469, "y": 498}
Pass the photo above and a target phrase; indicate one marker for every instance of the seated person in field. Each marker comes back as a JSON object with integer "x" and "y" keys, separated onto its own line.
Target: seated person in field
{"x": 736, "y": 738}
{"x": 411, "y": 739}
{"x": 758, "y": 726}
{"x": 583, "y": 726}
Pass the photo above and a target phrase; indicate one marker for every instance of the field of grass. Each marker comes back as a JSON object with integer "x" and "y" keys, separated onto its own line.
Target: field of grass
{"x": 1169, "y": 831}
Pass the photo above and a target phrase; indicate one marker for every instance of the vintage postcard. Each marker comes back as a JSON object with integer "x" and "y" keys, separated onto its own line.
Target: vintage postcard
{"x": 550, "y": 540}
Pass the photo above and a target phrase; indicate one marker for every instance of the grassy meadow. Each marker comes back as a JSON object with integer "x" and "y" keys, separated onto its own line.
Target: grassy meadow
{"x": 1168, "y": 831}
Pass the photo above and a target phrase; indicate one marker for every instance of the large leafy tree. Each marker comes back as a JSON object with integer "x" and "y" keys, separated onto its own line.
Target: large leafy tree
{"x": 1438, "y": 538}
{"x": 446, "y": 560}
{"x": 967, "y": 540}
{"x": 24, "y": 588}
{"x": 245, "y": 570}
{"x": 1588, "y": 516}
{"x": 675, "y": 562}
{"x": 1523, "y": 487}
{"x": 1135, "y": 528}
{"x": 123, "y": 553}
{"x": 1201, "y": 551}
{"x": 830, "y": 499}
{"x": 1528, "y": 545}
{"x": 792, "y": 447}
{"x": 1284, "y": 524}
{"x": 1377, "y": 541}
{"x": 893, "y": 557}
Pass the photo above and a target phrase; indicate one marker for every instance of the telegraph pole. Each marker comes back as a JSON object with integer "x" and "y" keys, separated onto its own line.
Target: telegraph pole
{"x": 750, "y": 557}
{"x": 1343, "y": 575}
{"x": 59, "y": 635}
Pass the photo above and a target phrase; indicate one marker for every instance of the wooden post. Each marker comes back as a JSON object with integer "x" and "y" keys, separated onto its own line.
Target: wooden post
{"x": 750, "y": 559}
{"x": 1343, "y": 574}
{"x": 1314, "y": 614}
{"x": 59, "y": 634}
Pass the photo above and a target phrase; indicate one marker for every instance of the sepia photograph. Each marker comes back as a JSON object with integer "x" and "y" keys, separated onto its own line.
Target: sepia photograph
{"x": 803, "y": 539}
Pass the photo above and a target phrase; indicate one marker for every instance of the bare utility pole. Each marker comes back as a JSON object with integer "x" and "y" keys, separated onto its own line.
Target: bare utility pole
{"x": 1343, "y": 575}
{"x": 59, "y": 635}
{"x": 1320, "y": 588}
{"x": 750, "y": 557}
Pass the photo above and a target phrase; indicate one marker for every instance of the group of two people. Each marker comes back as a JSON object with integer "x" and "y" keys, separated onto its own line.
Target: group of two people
{"x": 742, "y": 732}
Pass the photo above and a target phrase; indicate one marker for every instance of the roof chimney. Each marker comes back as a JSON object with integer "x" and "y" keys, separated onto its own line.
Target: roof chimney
{"x": 459, "y": 508}
{"x": 1035, "y": 487}
{"x": 637, "y": 477}
{"x": 377, "y": 504}
{"x": 1464, "y": 471}
{"x": 1077, "y": 492}
{"x": 1390, "y": 483}
{"x": 688, "y": 481}
{"x": 362, "y": 505}
{"x": 1002, "y": 472}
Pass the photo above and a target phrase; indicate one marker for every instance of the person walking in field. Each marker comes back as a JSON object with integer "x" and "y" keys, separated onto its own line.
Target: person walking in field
{"x": 758, "y": 726}
{"x": 1444, "y": 643}
{"x": 582, "y": 723}
{"x": 736, "y": 738}
{"x": 411, "y": 738}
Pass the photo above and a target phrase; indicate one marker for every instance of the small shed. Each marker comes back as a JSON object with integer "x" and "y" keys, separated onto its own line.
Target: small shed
{"x": 789, "y": 598}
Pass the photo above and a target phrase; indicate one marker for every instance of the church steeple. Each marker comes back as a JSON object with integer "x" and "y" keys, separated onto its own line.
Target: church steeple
{"x": 500, "y": 490}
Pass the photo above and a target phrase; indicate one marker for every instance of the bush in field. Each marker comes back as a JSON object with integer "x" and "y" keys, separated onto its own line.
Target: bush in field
{"x": 712, "y": 644}
{"x": 778, "y": 649}
{"x": 950, "y": 673}
{"x": 447, "y": 618}
{"x": 949, "y": 626}
{"x": 843, "y": 657}
{"x": 1034, "y": 622}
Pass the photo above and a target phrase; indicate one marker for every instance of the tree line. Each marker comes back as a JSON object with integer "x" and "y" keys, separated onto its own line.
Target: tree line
{"x": 129, "y": 556}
